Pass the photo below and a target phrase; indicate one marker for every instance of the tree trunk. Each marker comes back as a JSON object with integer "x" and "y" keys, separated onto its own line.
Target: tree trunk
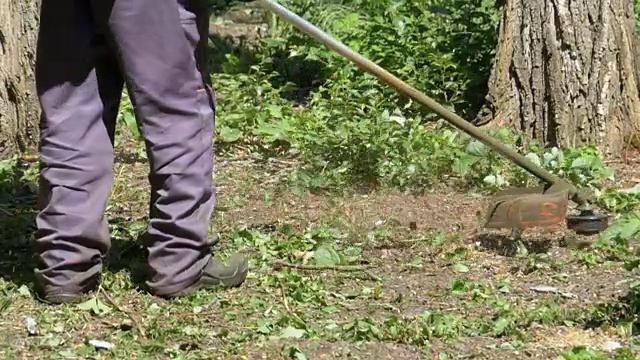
{"x": 564, "y": 73}
{"x": 19, "y": 109}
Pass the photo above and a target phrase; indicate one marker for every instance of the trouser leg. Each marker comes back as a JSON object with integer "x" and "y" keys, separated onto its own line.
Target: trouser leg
{"x": 198, "y": 11}
{"x": 156, "y": 49}
{"x": 79, "y": 87}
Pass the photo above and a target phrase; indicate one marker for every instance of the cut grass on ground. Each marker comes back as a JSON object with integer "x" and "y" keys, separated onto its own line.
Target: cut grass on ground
{"x": 372, "y": 285}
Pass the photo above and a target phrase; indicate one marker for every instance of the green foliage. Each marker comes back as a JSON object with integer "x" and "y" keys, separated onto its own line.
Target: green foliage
{"x": 621, "y": 200}
{"x": 444, "y": 48}
{"x": 354, "y": 130}
{"x": 589, "y": 353}
{"x": 294, "y": 98}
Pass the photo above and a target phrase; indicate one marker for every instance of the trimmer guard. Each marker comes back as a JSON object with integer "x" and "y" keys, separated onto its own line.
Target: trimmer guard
{"x": 522, "y": 208}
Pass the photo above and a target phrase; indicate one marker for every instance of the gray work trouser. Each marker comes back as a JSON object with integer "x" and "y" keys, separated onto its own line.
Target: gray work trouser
{"x": 87, "y": 50}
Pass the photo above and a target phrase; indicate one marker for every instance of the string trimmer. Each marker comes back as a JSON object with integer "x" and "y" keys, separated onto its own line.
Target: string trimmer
{"x": 513, "y": 208}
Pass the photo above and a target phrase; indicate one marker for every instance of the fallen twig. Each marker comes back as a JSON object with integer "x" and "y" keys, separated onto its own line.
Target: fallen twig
{"x": 30, "y": 158}
{"x": 191, "y": 313}
{"x": 204, "y": 312}
{"x": 284, "y": 298}
{"x": 280, "y": 264}
{"x": 345, "y": 268}
{"x": 132, "y": 316}
{"x": 285, "y": 302}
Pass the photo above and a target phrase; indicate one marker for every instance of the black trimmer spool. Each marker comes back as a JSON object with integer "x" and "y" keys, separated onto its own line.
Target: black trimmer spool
{"x": 587, "y": 222}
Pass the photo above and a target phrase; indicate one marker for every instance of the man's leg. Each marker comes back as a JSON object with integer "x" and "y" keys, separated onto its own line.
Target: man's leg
{"x": 79, "y": 87}
{"x": 156, "y": 47}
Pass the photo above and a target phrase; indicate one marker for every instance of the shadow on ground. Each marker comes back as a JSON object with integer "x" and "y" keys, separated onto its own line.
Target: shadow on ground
{"x": 504, "y": 245}
{"x": 18, "y": 210}
{"x": 621, "y": 311}
{"x": 17, "y": 225}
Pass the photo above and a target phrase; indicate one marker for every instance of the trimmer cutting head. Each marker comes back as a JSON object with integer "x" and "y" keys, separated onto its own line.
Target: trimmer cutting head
{"x": 542, "y": 207}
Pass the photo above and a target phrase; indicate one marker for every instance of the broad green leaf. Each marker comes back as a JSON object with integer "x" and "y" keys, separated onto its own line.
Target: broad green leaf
{"x": 580, "y": 163}
{"x": 229, "y": 135}
{"x": 463, "y": 164}
{"x": 326, "y": 255}
{"x": 534, "y": 158}
{"x": 477, "y": 148}
{"x": 291, "y": 332}
{"x": 460, "y": 268}
{"x": 96, "y": 306}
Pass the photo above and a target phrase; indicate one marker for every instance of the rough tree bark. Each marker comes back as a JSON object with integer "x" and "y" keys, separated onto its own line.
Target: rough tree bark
{"x": 18, "y": 103}
{"x": 564, "y": 73}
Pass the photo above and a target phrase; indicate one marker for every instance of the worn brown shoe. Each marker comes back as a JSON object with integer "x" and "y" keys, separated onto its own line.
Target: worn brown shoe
{"x": 64, "y": 298}
{"x": 229, "y": 273}
{"x": 61, "y": 296}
